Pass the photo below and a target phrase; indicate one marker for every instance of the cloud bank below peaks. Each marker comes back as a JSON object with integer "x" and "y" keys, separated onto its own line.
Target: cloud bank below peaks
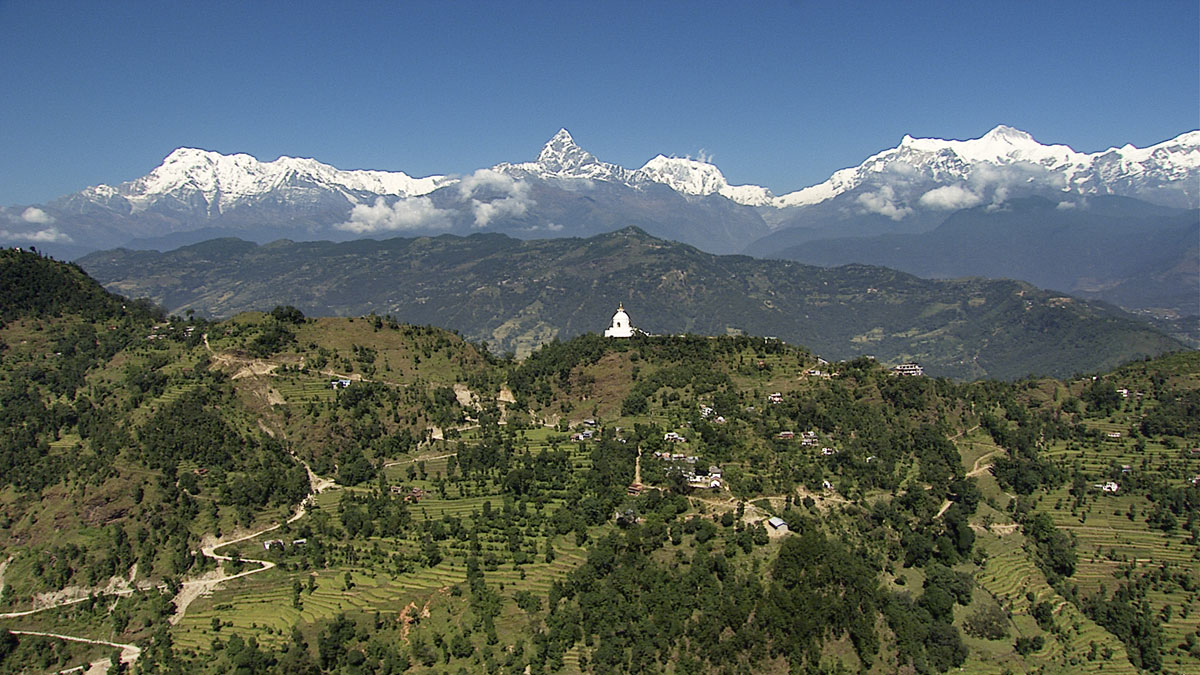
{"x": 494, "y": 195}
{"x": 414, "y": 213}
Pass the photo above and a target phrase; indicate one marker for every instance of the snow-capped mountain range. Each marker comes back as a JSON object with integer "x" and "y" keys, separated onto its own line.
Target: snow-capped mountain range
{"x": 567, "y": 191}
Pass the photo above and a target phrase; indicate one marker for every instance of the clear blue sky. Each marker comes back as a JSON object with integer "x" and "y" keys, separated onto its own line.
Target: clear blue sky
{"x": 779, "y": 94}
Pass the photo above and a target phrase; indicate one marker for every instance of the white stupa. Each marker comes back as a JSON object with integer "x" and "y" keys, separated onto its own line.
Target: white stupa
{"x": 620, "y": 327}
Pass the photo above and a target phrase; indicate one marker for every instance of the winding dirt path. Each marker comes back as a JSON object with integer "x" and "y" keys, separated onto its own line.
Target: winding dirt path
{"x": 208, "y": 582}
{"x": 420, "y": 459}
{"x": 129, "y": 653}
{"x": 977, "y": 469}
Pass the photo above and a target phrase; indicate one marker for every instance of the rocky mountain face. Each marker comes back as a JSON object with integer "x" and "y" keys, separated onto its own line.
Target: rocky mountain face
{"x": 517, "y": 294}
{"x": 195, "y": 195}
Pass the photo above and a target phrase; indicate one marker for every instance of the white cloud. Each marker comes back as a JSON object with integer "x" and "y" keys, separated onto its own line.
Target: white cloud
{"x": 487, "y": 179}
{"x": 950, "y": 198}
{"x": 49, "y": 235}
{"x": 502, "y": 196}
{"x": 998, "y": 198}
{"x": 1066, "y": 206}
{"x": 35, "y": 215}
{"x": 548, "y": 227}
{"x": 882, "y": 201}
{"x": 498, "y": 208}
{"x": 406, "y": 214}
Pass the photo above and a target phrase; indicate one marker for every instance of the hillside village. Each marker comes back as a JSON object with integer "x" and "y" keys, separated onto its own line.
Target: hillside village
{"x": 282, "y": 493}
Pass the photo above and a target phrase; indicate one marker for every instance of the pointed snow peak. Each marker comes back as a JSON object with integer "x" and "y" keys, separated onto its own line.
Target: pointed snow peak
{"x": 191, "y": 156}
{"x": 1007, "y": 133}
{"x": 562, "y": 155}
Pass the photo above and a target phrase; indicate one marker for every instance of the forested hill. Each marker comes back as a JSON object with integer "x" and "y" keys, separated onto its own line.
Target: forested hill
{"x": 32, "y": 285}
{"x": 516, "y": 295}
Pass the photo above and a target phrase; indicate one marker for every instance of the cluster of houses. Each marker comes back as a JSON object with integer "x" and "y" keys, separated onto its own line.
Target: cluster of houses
{"x": 707, "y": 411}
{"x": 807, "y": 438}
{"x": 701, "y": 482}
{"x": 411, "y": 495}
{"x": 279, "y": 544}
{"x": 673, "y": 437}
{"x": 694, "y": 480}
{"x": 911, "y": 369}
{"x": 587, "y": 434}
{"x": 339, "y": 384}
{"x": 1110, "y": 486}
{"x": 775, "y": 398}
{"x": 160, "y": 332}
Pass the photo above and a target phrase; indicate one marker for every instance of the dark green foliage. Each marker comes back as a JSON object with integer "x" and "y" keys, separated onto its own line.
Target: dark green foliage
{"x": 820, "y": 589}
{"x": 989, "y": 621}
{"x": 287, "y": 314}
{"x": 31, "y": 285}
{"x": 1055, "y": 549}
{"x": 1028, "y": 645}
{"x": 1177, "y": 414}
{"x": 1127, "y": 615}
{"x": 273, "y": 337}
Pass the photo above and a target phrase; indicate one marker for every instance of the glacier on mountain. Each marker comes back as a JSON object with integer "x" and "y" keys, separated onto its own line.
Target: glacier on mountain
{"x": 1005, "y": 158}
{"x": 220, "y": 182}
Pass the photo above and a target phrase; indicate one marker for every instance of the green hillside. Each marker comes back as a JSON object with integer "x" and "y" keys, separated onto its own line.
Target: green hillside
{"x": 275, "y": 493}
{"x": 516, "y": 295}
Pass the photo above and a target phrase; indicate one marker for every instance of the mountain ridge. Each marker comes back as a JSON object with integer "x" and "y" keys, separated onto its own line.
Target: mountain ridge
{"x": 907, "y": 188}
{"x": 517, "y": 294}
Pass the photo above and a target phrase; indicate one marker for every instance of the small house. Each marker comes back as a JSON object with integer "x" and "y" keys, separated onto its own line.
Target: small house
{"x": 778, "y": 524}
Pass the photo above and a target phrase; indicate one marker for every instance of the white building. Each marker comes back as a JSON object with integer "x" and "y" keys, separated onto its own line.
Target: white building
{"x": 620, "y": 327}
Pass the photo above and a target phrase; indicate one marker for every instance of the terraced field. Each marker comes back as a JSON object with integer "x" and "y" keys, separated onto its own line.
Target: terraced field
{"x": 261, "y": 605}
{"x": 1009, "y": 576}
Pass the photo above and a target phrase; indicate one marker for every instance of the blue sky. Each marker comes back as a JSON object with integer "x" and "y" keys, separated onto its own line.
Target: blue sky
{"x": 779, "y": 94}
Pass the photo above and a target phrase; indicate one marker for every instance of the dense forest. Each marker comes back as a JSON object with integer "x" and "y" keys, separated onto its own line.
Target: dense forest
{"x": 277, "y": 493}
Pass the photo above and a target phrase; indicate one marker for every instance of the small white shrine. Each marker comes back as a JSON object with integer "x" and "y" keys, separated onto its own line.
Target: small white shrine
{"x": 620, "y": 327}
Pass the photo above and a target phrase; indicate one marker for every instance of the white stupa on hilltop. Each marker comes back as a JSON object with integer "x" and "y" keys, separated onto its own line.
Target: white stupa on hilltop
{"x": 620, "y": 327}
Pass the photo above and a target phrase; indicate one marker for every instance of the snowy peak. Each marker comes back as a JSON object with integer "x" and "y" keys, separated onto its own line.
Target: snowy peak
{"x": 1000, "y": 145}
{"x": 562, "y": 155}
{"x": 937, "y": 173}
{"x": 684, "y": 174}
{"x": 699, "y": 178}
{"x": 220, "y": 182}
{"x": 561, "y": 158}
{"x": 1006, "y": 134}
